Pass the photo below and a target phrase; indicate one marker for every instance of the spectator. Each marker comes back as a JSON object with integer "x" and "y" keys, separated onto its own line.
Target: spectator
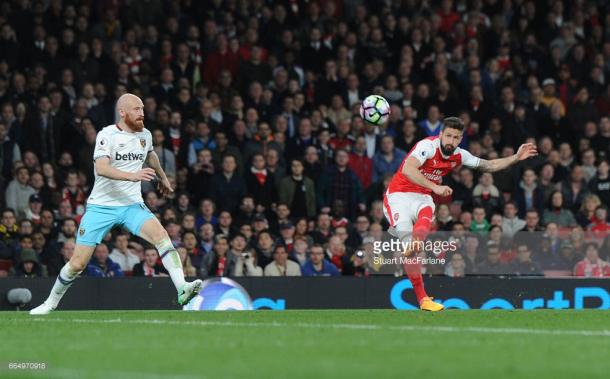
{"x": 246, "y": 211}
{"x": 8, "y": 232}
{"x": 11, "y": 152}
{"x": 300, "y": 251}
{"x": 486, "y": 195}
{"x": 360, "y": 163}
{"x": 523, "y": 265}
{"x": 298, "y": 192}
{"x": 150, "y": 265}
{"x": 492, "y": 265}
{"x": 456, "y": 267}
{"x": 432, "y": 124}
{"x": 264, "y": 248}
{"x": 574, "y": 188}
{"x": 592, "y": 266}
{"x": 295, "y": 147}
{"x": 43, "y": 130}
{"x": 203, "y": 140}
{"x": 166, "y": 156}
{"x": 600, "y": 183}
{"x": 528, "y": 194}
{"x": 187, "y": 267}
{"x": 588, "y": 164}
{"x": 223, "y": 148}
{"x": 586, "y": 214}
{"x": 340, "y": 182}
{"x": 581, "y": 110}
{"x": 18, "y": 192}
{"x": 206, "y": 238}
{"x": 556, "y": 213}
{"x": 121, "y": 254}
{"x": 246, "y": 265}
{"x": 336, "y": 253}
{"x": 73, "y": 193}
{"x": 444, "y": 220}
{"x": 218, "y": 262}
{"x": 67, "y": 230}
{"x": 388, "y": 159}
{"x": 600, "y": 226}
{"x": 260, "y": 182}
{"x": 545, "y": 257}
{"x": 227, "y": 187}
{"x": 479, "y": 223}
{"x": 101, "y": 265}
{"x": 567, "y": 256}
{"x": 511, "y": 223}
{"x": 281, "y": 265}
{"x": 34, "y": 209}
{"x": 189, "y": 242}
{"x": 29, "y": 265}
{"x": 316, "y": 265}
{"x": 463, "y": 187}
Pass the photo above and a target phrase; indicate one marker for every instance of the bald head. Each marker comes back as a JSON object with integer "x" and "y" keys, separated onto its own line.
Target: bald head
{"x": 126, "y": 100}
{"x": 131, "y": 110}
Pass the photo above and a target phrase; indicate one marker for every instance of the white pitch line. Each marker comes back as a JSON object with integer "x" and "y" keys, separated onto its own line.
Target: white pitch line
{"x": 303, "y": 325}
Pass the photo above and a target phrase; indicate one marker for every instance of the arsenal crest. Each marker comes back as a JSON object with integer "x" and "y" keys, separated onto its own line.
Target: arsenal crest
{"x": 396, "y": 216}
{"x": 143, "y": 142}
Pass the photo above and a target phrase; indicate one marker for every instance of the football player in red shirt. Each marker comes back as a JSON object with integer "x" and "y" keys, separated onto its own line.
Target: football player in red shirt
{"x": 408, "y": 203}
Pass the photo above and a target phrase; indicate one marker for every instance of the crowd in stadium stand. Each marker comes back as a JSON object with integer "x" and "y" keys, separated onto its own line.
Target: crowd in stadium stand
{"x": 253, "y": 107}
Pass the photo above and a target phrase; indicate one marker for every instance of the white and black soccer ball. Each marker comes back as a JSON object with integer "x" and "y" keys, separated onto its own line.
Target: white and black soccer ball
{"x": 375, "y": 110}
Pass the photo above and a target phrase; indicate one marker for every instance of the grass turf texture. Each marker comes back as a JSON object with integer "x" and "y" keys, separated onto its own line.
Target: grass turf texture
{"x": 308, "y": 344}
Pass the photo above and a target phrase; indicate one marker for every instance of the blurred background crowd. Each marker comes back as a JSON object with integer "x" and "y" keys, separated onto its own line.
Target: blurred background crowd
{"x": 253, "y": 107}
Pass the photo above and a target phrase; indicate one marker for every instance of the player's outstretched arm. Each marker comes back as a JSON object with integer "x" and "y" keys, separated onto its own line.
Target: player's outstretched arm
{"x": 527, "y": 150}
{"x": 164, "y": 186}
{"x": 411, "y": 170}
{"x": 103, "y": 168}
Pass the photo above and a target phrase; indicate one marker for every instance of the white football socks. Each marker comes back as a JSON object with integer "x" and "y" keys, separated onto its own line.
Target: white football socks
{"x": 171, "y": 262}
{"x": 62, "y": 283}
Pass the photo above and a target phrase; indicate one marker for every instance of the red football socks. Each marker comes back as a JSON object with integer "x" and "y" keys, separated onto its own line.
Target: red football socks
{"x": 423, "y": 224}
{"x": 414, "y": 274}
{"x": 420, "y": 230}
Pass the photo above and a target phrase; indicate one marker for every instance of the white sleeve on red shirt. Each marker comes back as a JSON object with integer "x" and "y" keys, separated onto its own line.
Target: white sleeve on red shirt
{"x": 468, "y": 159}
{"x": 423, "y": 150}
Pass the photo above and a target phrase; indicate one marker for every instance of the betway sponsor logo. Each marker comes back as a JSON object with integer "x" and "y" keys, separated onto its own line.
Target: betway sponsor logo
{"x": 129, "y": 157}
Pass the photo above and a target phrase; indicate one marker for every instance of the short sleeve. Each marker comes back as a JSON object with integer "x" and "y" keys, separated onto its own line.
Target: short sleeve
{"x": 423, "y": 151}
{"x": 102, "y": 146}
{"x": 149, "y": 141}
{"x": 469, "y": 160}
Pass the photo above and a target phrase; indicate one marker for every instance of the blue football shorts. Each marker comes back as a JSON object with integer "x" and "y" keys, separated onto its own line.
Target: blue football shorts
{"x": 99, "y": 219}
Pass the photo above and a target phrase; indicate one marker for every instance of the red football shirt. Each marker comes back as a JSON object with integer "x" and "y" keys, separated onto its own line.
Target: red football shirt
{"x": 434, "y": 166}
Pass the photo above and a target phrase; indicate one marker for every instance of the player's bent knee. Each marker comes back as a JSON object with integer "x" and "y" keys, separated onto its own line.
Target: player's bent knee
{"x": 77, "y": 264}
{"x": 160, "y": 237}
{"x": 80, "y": 258}
{"x": 155, "y": 232}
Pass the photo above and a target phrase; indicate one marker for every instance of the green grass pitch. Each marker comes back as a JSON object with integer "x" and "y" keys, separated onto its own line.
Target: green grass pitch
{"x": 308, "y": 344}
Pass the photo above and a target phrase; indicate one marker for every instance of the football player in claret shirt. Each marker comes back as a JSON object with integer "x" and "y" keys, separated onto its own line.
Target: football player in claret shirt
{"x": 408, "y": 203}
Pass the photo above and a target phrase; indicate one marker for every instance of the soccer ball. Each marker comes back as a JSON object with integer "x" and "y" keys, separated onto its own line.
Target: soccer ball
{"x": 375, "y": 110}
